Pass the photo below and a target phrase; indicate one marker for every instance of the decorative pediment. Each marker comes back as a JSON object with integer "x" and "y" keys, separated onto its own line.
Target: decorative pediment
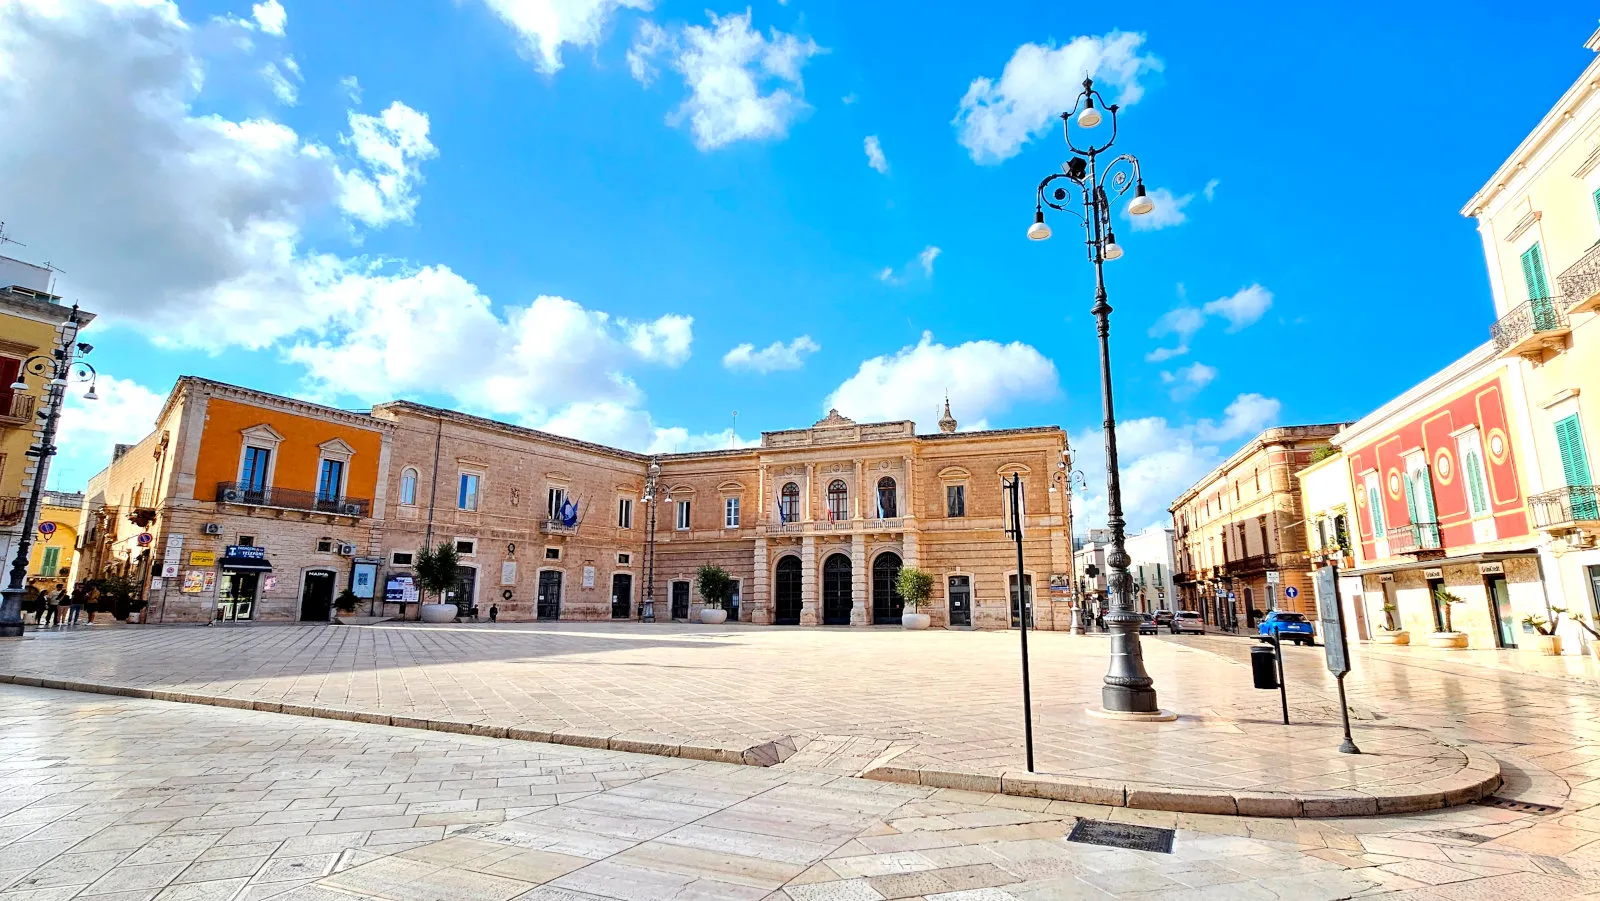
{"x": 730, "y": 487}
{"x": 685, "y": 490}
{"x": 1013, "y": 469}
{"x": 833, "y": 421}
{"x": 472, "y": 463}
{"x": 558, "y": 476}
{"x": 336, "y": 448}
{"x": 954, "y": 473}
{"x": 262, "y": 434}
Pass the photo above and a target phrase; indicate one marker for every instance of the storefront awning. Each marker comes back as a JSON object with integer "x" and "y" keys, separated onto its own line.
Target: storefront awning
{"x": 245, "y": 564}
{"x": 1436, "y": 563}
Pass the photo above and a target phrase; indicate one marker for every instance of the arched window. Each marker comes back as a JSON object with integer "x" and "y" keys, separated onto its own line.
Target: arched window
{"x": 888, "y": 507}
{"x": 789, "y": 503}
{"x": 408, "y": 487}
{"x": 838, "y": 501}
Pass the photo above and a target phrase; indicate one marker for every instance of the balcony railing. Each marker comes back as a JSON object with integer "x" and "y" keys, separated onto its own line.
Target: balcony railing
{"x": 16, "y": 407}
{"x": 1418, "y": 536}
{"x": 557, "y": 527}
{"x": 287, "y": 499}
{"x": 1566, "y": 508}
{"x": 1538, "y": 323}
{"x": 11, "y": 510}
{"x": 1581, "y": 282}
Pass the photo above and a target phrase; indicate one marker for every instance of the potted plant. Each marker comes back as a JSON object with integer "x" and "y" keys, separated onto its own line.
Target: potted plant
{"x": 1449, "y": 638}
{"x": 1546, "y": 640}
{"x": 915, "y": 586}
{"x": 437, "y": 571}
{"x": 716, "y": 589}
{"x": 1594, "y": 637}
{"x": 347, "y": 602}
{"x": 1390, "y": 632}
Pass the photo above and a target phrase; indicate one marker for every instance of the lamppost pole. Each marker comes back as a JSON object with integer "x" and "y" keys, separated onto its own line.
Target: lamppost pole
{"x": 59, "y": 367}
{"x": 1078, "y": 626}
{"x": 647, "y": 610}
{"x": 1128, "y": 688}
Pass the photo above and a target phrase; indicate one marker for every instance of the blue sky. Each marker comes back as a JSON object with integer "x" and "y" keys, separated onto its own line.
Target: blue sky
{"x": 567, "y": 213}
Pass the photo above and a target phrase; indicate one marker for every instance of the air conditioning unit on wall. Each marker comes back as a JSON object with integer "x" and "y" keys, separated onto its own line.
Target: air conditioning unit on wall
{"x": 350, "y": 509}
{"x": 232, "y": 495}
{"x": 211, "y": 528}
{"x": 347, "y": 550}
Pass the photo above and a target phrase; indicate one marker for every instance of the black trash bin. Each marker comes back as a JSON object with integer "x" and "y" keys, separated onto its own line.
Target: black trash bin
{"x": 1264, "y": 666}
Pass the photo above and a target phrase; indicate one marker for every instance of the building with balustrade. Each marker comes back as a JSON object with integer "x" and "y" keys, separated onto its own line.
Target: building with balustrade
{"x": 1237, "y": 535}
{"x": 1539, "y": 218}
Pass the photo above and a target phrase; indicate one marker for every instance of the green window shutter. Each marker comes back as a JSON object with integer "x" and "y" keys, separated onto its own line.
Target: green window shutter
{"x": 1375, "y": 504}
{"x": 1596, "y": 196}
{"x": 1411, "y": 498}
{"x": 1475, "y": 484}
{"x": 1574, "y": 458}
{"x": 52, "y": 561}
{"x": 1533, "y": 273}
{"x": 1425, "y": 489}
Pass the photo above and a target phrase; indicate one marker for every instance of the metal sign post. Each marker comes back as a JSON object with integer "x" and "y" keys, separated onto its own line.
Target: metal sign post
{"x": 1013, "y": 487}
{"x": 1334, "y": 644}
{"x": 1283, "y": 688}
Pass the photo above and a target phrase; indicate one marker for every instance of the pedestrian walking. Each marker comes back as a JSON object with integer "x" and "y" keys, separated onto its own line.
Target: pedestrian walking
{"x": 75, "y": 605}
{"x": 494, "y": 612}
{"x": 47, "y": 610}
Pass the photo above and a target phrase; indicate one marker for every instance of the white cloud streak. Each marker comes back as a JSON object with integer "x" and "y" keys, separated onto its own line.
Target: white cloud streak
{"x": 775, "y": 356}
{"x": 875, "y": 157}
{"x": 546, "y": 26}
{"x": 982, "y": 378}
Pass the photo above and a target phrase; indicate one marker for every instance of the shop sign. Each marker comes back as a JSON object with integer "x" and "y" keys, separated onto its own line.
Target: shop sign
{"x": 400, "y": 589}
{"x": 1386, "y": 577}
{"x": 1492, "y": 569}
{"x": 209, "y": 582}
{"x": 1433, "y": 573}
{"x": 157, "y": 583}
{"x": 245, "y": 552}
{"x": 1274, "y": 577}
{"x": 202, "y": 558}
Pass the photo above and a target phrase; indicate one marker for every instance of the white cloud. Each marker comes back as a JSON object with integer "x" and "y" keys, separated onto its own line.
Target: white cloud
{"x": 920, "y": 267}
{"x": 1182, "y": 322}
{"x": 125, "y": 413}
{"x": 1039, "y": 83}
{"x": 1241, "y": 308}
{"x": 281, "y": 86}
{"x": 393, "y": 145}
{"x": 1168, "y": 211}
{"x": 351, "y": 87}
{"x": 1210, "y": 189}
{"x": 630, "y": 428}
{"x": 270, "y": 16}
{"x": 666, "y": 340}
{"x": 742, "y": 86}
{"x": 773, "y": 357}
{"x": 1187, "y": 381}
{"x": 1247, "y": 415}
{"x": 982, "y": 378}
{"x": 875, "y": 157}
{"x": 848, "y": 99}
{"x": 926, "y": 257}
{"x": 545, "y": 25}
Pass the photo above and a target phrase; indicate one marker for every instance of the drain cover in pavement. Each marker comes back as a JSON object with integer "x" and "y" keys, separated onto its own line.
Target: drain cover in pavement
{"x": 1523, "y": 806}
{"x": 1122, "y": 835}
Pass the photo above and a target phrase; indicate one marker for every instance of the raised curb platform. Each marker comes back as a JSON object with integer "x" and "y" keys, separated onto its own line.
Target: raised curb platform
{"x": 1478, "y": 778}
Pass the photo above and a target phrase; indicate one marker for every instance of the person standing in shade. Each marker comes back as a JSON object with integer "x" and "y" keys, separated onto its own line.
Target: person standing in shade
{"x": 47, "y": 610}
{"x": 494, "y": 612}
{"x": 61, "y": 602}
{"x": 75, "y": 605}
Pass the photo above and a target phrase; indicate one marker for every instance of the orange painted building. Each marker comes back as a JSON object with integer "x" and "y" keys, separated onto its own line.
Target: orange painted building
{"x": 295, "y": 465}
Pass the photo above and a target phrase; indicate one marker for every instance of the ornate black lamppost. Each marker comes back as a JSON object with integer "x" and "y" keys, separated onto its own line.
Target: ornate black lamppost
{"x": 58, "y": 368}
{"x": 1128, "y": 688}
{"x": 647, "y": 608}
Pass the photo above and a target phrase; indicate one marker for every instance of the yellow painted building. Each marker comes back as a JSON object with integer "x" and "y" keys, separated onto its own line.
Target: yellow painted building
{"x": 1539, "y": 217}
{"x": 55, "y": 540}
{"x": 32, "y": 322}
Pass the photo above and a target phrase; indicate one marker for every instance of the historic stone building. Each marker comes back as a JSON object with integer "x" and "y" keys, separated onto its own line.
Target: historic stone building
{"x": 1239, "y": 539}
{"x": 813, "y": 523}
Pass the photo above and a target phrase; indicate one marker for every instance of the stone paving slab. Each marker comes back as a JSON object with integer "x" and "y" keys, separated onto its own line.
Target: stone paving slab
{"x": 934, "y": 708}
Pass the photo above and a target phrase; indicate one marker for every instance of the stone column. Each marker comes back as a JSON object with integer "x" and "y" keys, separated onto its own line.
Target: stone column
{"x": 855, "y": 496}
{"x": 761, "y": 587}
{"x": 761, "y": 493}
{"x": 861, "y": 610}
{"x": 905, "y": 489}
{"x": 810, "y": 612}
{"x": 810, "y": 489}
{"x": 908, "y": 547}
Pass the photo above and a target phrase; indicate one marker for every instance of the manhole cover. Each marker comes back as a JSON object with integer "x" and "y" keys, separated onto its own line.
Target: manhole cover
{"x": 1122, "y": 835}
{"x": 1523, "y": 806}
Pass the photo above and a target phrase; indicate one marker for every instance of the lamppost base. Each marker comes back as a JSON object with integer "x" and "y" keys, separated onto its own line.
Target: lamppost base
{"x": 1125, "y": 699}
{"x": 11, "y": 630}
{"x": 1077, "y": 621}
{"x": 1158, "y": 716}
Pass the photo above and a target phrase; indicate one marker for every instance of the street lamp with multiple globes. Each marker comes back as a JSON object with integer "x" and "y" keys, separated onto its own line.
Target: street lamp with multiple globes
{"x": 58, "y": 368}
{"x": 1128, "y": 688}
{"x": 652, "y": 495}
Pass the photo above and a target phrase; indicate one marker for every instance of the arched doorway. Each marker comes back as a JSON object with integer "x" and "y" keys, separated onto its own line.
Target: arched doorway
{"x": 786, "y": 592}
{"x": 836, "y": 599}
{"x": 887, "y": 604}
{"x": 316, "y": 596}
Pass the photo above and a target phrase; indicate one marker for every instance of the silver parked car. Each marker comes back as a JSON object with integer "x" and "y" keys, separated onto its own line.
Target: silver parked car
{"x": 1188, "y": 621}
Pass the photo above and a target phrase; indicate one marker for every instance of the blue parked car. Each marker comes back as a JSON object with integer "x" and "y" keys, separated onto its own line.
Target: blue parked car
{"x": 1289, "y": 627}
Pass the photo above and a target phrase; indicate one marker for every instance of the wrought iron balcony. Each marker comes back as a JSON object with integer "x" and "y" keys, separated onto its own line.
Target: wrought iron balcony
{"x": 1581, "y": 282}
{"x": 1532, "y": 327}
{"x": 11, "y": 510}
{"x": 287, "y": 499}
{"x": 17, "y": 409}
{"x": 1566, "y": 508}
{"x": 1413, "y": 538}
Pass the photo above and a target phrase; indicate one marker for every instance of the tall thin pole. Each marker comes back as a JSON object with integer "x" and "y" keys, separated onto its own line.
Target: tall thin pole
{"x": 1014, "y": 487}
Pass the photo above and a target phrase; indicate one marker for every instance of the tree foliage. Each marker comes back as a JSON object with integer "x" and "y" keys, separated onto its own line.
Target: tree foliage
{"x": 915, "y": 585}
{"x": 437, "y": 570}
{"x": 715, "y": 585}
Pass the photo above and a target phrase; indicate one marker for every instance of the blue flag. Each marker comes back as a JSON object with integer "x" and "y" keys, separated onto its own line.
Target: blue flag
{"x": 569, "y": 513}
{"x": 781, "y": 517}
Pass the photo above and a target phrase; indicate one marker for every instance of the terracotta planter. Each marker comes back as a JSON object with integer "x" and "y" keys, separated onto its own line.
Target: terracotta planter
{"x": 1547, "y": 645}
{"x": 1453, "y": 640}
{"x": 1397, "y": 637}
{"x": 914, "y": 620}
{"x": 439, "y": 613}
{"x": 713, "y": 616}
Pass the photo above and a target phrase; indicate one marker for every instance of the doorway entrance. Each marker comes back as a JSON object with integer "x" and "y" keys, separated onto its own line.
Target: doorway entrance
{"x": 466, "y": 589}
{"x": 1505, "y": 632}
{"x": 836, "y": 599}
{"x": 960, "y": 594}
{"x": 786, "y": 592}
{"x": 549, "y": 601}
{"x": 887, "y": 604}
{"x": 237, "y": 600}
{"x": 316, "y": 596}
{"x": 621, "y": 596}
{"x": 680, "y": 600}
{"x": 1026, "y": 599}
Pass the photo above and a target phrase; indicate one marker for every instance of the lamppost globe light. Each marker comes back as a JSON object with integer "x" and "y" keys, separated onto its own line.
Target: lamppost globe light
{"x": 1112, "y": 250}
{"x": 1090, "y": 117}
{"x": 19, "y": 384}
{"x": 90, "y": 394}
{"x": 1140, "y": 204}
{"x": 1038, "y": 231}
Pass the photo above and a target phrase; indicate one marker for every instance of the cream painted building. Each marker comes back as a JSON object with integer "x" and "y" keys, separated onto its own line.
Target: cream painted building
{"x": 1539, "y": 217}
{"x": 1241, "y": 524}
{"x": 1325, "y": 497}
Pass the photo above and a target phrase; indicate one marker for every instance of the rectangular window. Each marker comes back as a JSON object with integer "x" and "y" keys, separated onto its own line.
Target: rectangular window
{"x": 408, "y": 488}
{"x": 330, "y": 482}
{"x": 467, "y": 496}
{"x": 1574, "y": 456}
{"x": 555, "y": 500}
{"x": 247, "y": 541}
{"x": 955, "y": 500}
{"x": 1469, "y": 447}
{"x": 466, "y": 547}
{"x": 683, "y": 514}
{"x": 1005, "y": 505}
{"x": 400, "y": 558}
{"x": 625, "y": 513}
{"x": 552, "y": 553}
{"x": 52, "y": 562}
{"x": 253, "y": 475}
{"x": 1533, "y": 273}
{"x": 730, "y": 513}
{"x": 624, "y": 559}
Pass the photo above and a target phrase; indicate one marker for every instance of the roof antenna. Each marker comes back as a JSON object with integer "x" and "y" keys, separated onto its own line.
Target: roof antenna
{"x": 6, "y": 240}
{"x": 733, "y": 436}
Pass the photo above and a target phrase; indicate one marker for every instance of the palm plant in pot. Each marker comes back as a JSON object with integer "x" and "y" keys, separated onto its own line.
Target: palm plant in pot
{"x": 1449, "y": 637}
{"x": 437, "y": 571}
{"x": 716, "y": 589}
{"x": 1389, "y": 632}
{"x": 1594, "y": 636}
{"x": 1546, "y": 639}
{"x": 915, "y": 587}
